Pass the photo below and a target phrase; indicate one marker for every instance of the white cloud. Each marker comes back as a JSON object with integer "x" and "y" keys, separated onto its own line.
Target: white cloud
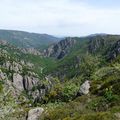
{"x": 63, "y": 17}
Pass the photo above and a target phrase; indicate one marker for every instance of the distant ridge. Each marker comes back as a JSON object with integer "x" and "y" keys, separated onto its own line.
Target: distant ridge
{"x": 26, "y": 39}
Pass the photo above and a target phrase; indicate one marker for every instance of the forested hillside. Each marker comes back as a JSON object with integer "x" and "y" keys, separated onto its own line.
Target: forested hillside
{"x": 27, "y": 40}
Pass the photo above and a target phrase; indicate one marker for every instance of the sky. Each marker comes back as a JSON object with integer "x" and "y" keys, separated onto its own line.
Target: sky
{"x": 61, "y": 17}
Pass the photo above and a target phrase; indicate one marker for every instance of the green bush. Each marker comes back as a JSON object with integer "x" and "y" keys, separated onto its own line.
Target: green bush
{"x": 69, "y": 91}
{"x": 96, "y": 116}
{"x": 98, "y": 104}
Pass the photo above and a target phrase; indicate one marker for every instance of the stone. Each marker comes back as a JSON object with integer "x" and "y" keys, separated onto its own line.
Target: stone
{"x": 18, "y": 81}
{"x": 30, "y": 82}
{"x": 2, "y": 75}
{"x": 34, "y": 114}
{"x": 12, "y": 66}
{"x": 117, "y": 115}
{"x": 114, "y": 51}
{"x": 84, "y": 88}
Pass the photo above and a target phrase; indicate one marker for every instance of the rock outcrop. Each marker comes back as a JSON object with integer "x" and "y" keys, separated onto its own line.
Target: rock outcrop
{"x": 30, "y": 82}
{"x": 18, "y": 81}
{"x": 31, "y": 51}
{"x": 20, "y": 76}
{"x": 60, "y": 49}
{"x": 96, "y": 43}
{"x": 3, "y": 42}
{"x": 13, "y": 66}
{"x": 101, "y": 43}
{"x": 114, "y": 51}
{"x": 117, "y": 115}
{"x": 84, "y": 88}
{"x": 34, "y": 114}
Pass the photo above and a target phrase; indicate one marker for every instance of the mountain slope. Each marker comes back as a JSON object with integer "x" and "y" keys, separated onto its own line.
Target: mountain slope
{"x": 26, "y": 39}
{"x": 98, "y": 47}
{"x": 83, "y": 84}
{"x": 88, "y": 61}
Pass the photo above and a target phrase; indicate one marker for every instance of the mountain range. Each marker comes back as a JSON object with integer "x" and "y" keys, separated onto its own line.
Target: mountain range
{"x": 48, "y": 78}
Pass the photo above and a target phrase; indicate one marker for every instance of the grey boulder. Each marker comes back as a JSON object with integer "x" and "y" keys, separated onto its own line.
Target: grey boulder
{"x": 34, "y": 114}
{"x": 84, "y": 88}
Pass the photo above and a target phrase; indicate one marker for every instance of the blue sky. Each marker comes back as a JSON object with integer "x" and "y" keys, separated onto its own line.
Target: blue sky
{"x": 61, "y": 17}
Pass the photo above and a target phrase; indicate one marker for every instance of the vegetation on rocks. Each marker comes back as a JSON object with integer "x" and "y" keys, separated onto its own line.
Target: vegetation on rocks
{"x": 54, "y": 84}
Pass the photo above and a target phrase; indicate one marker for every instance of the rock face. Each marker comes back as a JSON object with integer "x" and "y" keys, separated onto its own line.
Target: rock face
{"x": 31, "y": 51}
{"x": 60, "y": 49}
{"x": 34, "y": 114}
{"x": 18, "y": 81}
{"x": 30, "y": 82}
{"x": 32, "y": 85}
{"x": 114, "y": 51}
{"x": 95, "y": 44}
{"x": 84, "y": 88}
{"x": 24, "y": 82}
{"x": 102, "y": 43}
{"x": 12, "y": 66}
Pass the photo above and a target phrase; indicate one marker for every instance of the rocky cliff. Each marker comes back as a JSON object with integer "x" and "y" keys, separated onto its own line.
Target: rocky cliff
{"x": 114, "y": 51}
{"x": 31, "y": 51}
{"x": 60, "y": 49}
{"x": 101, "y": 43}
